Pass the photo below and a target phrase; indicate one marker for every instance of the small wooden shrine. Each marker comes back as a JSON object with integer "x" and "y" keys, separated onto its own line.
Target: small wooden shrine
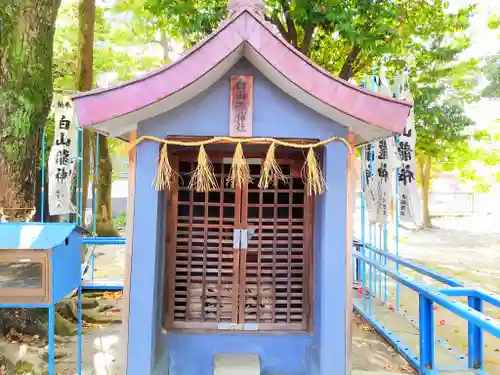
{"x": 239, "y": 234}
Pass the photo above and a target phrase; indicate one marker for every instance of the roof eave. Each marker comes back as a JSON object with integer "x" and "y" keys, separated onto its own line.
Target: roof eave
{"x": 115, "y": 111}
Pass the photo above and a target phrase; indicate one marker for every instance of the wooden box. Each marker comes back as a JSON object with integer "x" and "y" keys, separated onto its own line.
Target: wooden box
{"x": 39, "y": 263}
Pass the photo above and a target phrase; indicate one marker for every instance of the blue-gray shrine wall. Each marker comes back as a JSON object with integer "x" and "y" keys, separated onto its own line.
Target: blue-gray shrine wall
{"x": 153, "y": 350}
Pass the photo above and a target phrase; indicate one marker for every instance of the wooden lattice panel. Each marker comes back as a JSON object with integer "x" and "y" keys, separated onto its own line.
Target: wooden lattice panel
{"x": 204, "y": 255}
{"x": 263, "y": 286}
{"x": 276, "y": 280}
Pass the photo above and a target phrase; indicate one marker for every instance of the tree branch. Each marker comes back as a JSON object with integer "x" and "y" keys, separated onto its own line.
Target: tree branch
{"x": 276, "y": 22}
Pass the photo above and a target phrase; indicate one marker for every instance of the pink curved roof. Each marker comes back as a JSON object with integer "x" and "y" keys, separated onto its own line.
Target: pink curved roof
{"x": 247, "y": 32}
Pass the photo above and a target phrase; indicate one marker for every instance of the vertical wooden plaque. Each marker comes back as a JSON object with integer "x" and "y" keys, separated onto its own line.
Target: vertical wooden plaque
{"x": 241, "y": 106}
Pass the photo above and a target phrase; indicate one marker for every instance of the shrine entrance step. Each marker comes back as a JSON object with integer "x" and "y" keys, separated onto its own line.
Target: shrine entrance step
{"x": 236, "y": 364}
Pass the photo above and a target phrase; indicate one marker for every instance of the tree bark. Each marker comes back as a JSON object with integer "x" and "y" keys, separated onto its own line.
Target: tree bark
{"x": 26, "y": 49}
{"x": 347, "y": 70}
{"x": 27, "y": 34}
{"x": 85, "y": 80}
{"x": 306, "y": 42}
{"x": 104, "y": 214}
{"x": 290, "y": 25}
{"x": 425, "y": 167}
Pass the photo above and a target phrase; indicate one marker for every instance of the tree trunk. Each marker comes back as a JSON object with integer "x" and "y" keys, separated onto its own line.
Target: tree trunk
{"x": 347, "y": 70}
{"x": 425, "y": 166}
{"x": 85, "y": 79}
{"x": 26, "y": 44}
{"x": 26, "y": 34}
{"x": 104, "y": 214}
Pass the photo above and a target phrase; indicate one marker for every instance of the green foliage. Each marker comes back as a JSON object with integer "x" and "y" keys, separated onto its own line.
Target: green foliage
{"x": 114, "y": 37}
{"x": 120, "y": 222}
{"x": 442, "y": 84}
{"x": 344, "y": 36}
{"x": 188, "y": 20}
{"x": 492, "y": 73}
{"x": 494, "y": 22}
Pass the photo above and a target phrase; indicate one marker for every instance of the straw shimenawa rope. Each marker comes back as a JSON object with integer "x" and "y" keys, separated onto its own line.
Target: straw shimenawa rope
{"x": 271, "y": 172}
{"x": 239, "y": 175}
{"x": 165, "y": 173}
{"x": 315, "y": 181}
{"x": 203, "y": 178}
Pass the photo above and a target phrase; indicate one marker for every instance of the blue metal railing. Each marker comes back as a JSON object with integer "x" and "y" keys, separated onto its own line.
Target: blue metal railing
{"x": 103, "y": 241}
{"x": 405, "y": 263}
{"x": 93, "y": 284}
{"x": 472, "y": 312}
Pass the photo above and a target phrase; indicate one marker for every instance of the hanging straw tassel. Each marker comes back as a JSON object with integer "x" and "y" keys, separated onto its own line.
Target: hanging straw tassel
{"x": 271, "y": 172}
{"x": 314, "y": 177}
{"x": 203, "y": 178}
{"x": 165, "y": 173}
{"x": 239, "y": 175}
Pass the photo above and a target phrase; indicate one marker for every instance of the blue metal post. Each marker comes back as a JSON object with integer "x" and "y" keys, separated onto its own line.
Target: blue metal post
{"x": 426, "y": 328}
{"x": 77, "y": 177}
{"x": 370, "y": 226}
{"x": 373, "y": 237}
{"x": 385, "y": 263}
{"x": 396, "y": 224}
{"x": 358, "y": 270}
{"x": 396, "y": 211}
{"x": 363, "y": 215}
{"x": 42, "y": 190}
{"x": 375, "y": 256}
{"x": 381, "y": 261}
{"x": 354, "y": 270}
{"x": 96, "y": 179}
{"x": 363, "y": 224}
{"x": 79, "y": 363}
{"x": 371, "y": 268}
{"x": 374, "y": 244}
{"x": 82, "y": 158}
{"x": 475, "y": 336}
{"x": 51, "y": 343}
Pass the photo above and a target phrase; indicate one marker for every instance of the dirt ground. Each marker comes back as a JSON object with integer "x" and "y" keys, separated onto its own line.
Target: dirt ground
{"x": 372, "y": 353}
{"x": 465, "y": 248}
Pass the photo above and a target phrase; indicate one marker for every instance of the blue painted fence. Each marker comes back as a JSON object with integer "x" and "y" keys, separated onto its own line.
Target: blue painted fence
{"x": 472, "y": 312}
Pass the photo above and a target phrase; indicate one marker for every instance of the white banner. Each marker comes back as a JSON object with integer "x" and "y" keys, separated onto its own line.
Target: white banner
{"x": 383, "y": 166}
{"x": 378, "y": 163}
{"x": 62, "y": 158}
{"x": 369, "y": 191}
{"x": 409, "y": 199}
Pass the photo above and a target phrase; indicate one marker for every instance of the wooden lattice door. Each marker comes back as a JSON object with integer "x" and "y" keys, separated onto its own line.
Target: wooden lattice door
{"x": 238, "y": 258}
{"x": 276, "y": 265}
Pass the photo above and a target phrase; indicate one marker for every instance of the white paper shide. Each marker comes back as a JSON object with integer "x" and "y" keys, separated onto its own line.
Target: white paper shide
{"x": 62, "y": 158}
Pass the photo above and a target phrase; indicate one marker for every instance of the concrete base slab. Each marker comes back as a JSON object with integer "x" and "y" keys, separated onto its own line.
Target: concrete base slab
{"x": 236, "y": 364}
